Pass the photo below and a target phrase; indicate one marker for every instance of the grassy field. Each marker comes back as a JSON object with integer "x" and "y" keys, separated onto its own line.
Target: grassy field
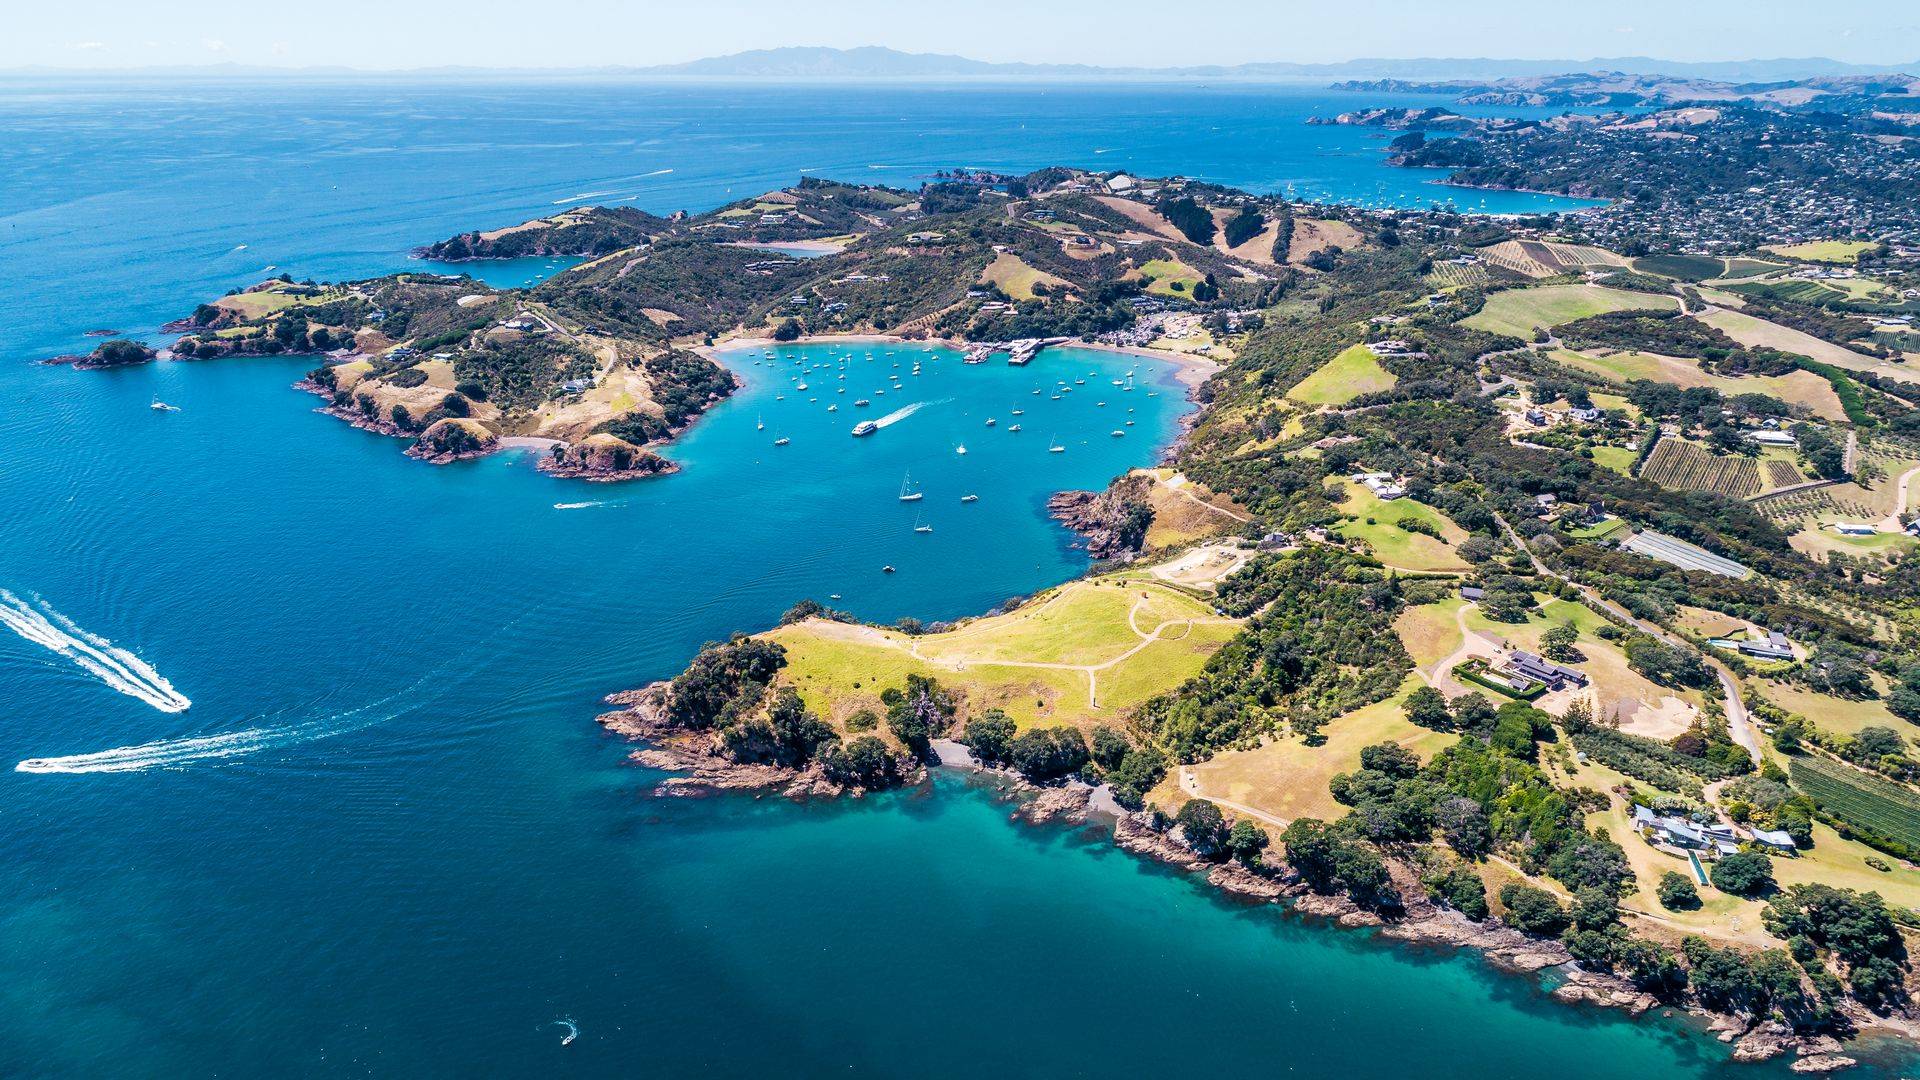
{"x": 1837, "y": 714}
{"x": 1616, "y": 688}
{"x": 1826, "y": 251}
{"x": 1378, "y": 524}
{"x": 1431, "y": 632}
{"x": 1288, "y": 779}
{"x": 1618, "y": 458}
{"x": 840, "y": 668}
{"x": 1185, "y": 513}
{"x": 1818, "y": 542}
{"x": 1518, "y": 312}
{"x": 1753, "y": 333}
{"x": 1167, "y": 273}
{"x": 1352, "y": 373}
{"x": 1795, "y": 388}
{"x": 1015, "y": 277}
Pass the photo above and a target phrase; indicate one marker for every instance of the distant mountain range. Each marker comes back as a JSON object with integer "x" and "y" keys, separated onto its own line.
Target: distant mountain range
{"x": 873, "y": 62}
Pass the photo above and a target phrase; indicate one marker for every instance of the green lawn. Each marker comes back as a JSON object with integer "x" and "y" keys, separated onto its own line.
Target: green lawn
{"x": 1166, "y": 273}
{"x": 840, "y": 668}
{"x": 1518, "y": 312}
{"x": 1377, "y": 522}
{"x": 1827, "y": 251}
{"x": 1345, "y": 377}
{"x": 1683, "y": 267}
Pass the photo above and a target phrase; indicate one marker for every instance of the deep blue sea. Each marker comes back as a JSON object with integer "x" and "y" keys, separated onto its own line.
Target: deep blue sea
{"x": 387, "y": 839}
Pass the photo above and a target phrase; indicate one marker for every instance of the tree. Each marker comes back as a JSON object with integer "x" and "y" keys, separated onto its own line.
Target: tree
{"x": 990, "y": 736}
{"x": 1676, "y": 893}
{"x": 1109, "y": 747}
{"x": 1464, "y": 823}
{"x": 1247, "y": 840}
{"x": 1204, "y": 828}
{"x": 1532, "y": 910}
{"x": 1427, "y": 708}
{"x": 788, "y": 330}
{"x": 1311, "y": 847}
{"x": 1744, "y": 873}
{"x": 1390, "y": 758}
{"x": 1137, "y": 773}
{"x": 1557, "y": 643}
{"x": 865, "y": 763}
{"x": 1460, "y": 889}
{"x": 1046, "y": 754}
{"x": 918, "y": 714}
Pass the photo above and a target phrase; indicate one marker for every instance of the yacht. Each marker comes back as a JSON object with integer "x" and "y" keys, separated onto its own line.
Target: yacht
{"x": 1014, "y": 428}
{"x": 861, "y": 403}
{"x": 1019, "y": 412}
{"x": 782, "y": 441}
{"x": 921, "y": 527}
{"x": 161, "y": 406}
{"x": 960, "y": 449}
{"x": 1116, "y": 433}
{"x": 991, "y": 421}
{"x": 760, "y": 424}
{"x": 907, "y": 491}
{"x": 833, "y": 408}
{"x": 1054, "y": 447}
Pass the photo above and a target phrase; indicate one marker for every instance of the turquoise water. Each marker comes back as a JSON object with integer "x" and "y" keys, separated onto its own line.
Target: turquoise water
{"x": 386, "y": 838}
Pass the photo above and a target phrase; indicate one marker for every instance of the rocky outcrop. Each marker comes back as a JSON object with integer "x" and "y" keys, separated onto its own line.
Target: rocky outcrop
{"x": 603, "y": 458}
{"x": 120, "y": 352}
{"x": 454, "y": 439}
{"x": 1114, "y": 522}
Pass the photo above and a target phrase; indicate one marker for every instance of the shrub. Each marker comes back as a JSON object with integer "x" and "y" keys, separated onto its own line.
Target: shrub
{"x": 1204, "y": 828}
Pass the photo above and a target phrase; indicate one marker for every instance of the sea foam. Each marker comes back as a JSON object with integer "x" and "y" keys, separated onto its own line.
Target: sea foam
{"x": 118, "y": 668}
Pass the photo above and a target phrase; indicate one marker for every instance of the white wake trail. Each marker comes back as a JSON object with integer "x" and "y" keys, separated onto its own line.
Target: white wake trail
{"x": 898, "y": 415}
{"x": 99, "y": 657}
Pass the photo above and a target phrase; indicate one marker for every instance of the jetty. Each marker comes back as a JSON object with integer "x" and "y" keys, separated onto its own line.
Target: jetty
{"x": 1019, "y": 352}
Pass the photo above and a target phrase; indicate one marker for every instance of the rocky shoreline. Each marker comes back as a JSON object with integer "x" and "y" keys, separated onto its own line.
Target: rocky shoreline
{"x": 701, "y": 771}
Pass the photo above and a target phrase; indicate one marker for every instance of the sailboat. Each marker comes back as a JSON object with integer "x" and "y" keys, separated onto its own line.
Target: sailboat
{"x": 1054, "y": 447}
{"x": 920, "y": 527}
{"x": 782, "y": 441}
{"x": 960, "y": 449}
{"x": 1014, "y": 428}
{"x": 907, "y": 491}
{"x": 759, "y": 423}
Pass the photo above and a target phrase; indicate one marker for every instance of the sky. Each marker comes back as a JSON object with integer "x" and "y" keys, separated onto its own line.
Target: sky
{"x": 400, "y": 34}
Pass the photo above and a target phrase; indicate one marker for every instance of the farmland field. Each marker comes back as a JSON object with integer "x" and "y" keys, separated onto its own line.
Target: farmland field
{"x": 1860, "y": 798}
{"x": 1518, "y": 312}
{"x": 1828, "y": 251}
{"x": 1683, "y": 267}
{"x": 1794, "y": 388}
{"x": 1681, "y": 465}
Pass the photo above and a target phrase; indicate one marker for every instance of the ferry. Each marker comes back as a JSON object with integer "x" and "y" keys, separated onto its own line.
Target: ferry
{"x": 865, "y": 427}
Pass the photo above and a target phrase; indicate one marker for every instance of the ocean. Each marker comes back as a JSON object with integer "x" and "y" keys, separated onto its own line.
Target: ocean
{"x": 298, "y": 773}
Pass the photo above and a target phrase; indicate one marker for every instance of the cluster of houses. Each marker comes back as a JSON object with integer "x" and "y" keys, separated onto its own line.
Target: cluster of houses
{"x": 1774, "y": 646}
{"x": 1395, "y": 347}
{"x": 1540, "y": 417}
{"x": 1714, "y": 839}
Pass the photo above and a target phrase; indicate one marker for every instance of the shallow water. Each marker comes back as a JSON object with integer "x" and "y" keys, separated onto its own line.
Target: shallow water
{"x": 386, "y": 837}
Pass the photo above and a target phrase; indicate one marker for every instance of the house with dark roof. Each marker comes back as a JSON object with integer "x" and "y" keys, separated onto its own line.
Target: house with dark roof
{"x": 1538, "y": 669}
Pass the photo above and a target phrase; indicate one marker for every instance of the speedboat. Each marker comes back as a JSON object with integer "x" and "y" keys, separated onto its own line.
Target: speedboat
{"x": 969, "y": 498}
{"x": 991, "y": 421}
{"x": 1116, "y": 433}
{"x": 1014, "y": 428}
{"x": 961, "y": 449}
{"x": 861, "y": 403}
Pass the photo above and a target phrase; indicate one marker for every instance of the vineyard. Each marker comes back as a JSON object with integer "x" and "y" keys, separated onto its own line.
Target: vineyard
{"x": 1540, "y": 259}
{"x": 1860, "y": 799}
{"x": 1454, "y": 276}
{"x": 1685, "y": 466}
{"x": 1782, "y": 473}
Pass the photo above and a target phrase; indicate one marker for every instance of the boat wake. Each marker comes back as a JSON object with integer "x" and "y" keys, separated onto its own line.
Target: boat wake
{"x": 157, "y": 755}
{"x": 573, "y": 1029}
{"x": 589, "y": 505}
{"x": 112, "y": 665}
{"x": 898, "y": 415}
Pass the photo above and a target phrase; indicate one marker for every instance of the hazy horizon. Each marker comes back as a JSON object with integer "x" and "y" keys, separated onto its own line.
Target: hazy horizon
{"x": 106, "y": 35}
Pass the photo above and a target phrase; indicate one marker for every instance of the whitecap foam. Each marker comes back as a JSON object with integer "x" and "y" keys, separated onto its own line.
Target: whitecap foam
{"x": 99, "y": 657}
